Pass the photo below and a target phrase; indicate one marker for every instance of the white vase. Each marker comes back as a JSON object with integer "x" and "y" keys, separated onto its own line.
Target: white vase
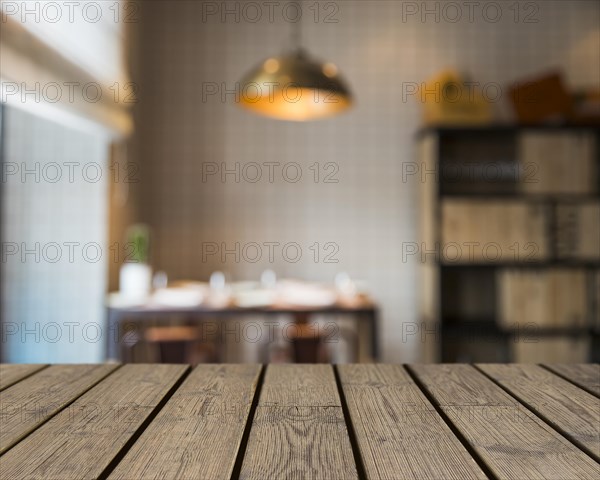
{"x": 135, "y": 280}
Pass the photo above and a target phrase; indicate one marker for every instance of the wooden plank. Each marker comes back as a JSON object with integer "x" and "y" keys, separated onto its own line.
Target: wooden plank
{"x": 512, "y": 441}
{"x": 198, "y": 432}
{"x": 395, "y": 424}
{"x": 299, "y": 431}
{"x": 566, "y": 407}
{"x": 587, "y": 376}
{"x": 11, "y": 373}
{"x": 81, "y": 441}
{"x": 29, "y": 403}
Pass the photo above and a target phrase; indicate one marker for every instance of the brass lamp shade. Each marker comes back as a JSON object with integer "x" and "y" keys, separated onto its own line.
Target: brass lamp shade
{"x": 294, "y": 87}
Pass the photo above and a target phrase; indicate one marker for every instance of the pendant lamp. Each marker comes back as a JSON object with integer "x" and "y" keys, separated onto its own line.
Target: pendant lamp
{"x": 294, "y": 86}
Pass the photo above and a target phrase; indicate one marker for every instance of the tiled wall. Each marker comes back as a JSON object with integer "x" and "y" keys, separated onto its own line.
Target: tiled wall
{"x": 54, "y": 226}
{"x": 370, "y": 212}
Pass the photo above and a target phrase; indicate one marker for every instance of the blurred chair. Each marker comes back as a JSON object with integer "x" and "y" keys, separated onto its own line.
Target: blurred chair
{"x": 181, "y": 344}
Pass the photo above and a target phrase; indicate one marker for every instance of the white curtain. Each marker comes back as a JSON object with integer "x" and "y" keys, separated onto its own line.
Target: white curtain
{"x": 67, "y": 61}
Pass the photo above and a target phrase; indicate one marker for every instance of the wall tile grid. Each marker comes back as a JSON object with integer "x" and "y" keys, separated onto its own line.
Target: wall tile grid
{"x": 370, "y": 212}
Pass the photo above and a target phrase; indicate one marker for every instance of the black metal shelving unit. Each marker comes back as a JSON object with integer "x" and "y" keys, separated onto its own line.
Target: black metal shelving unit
{"x": 486, "y": 328}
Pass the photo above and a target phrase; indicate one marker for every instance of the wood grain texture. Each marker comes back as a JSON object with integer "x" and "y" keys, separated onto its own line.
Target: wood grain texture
{"x": 29, "y": 403}
{"x": 587, "y": 376}
{"x": 11, "y": 373}
{"x": 299, "y": 431}
{"x": 82, "y": 440}
{"x": 512, "y": 441}
{"x": 198, "y": 433}
{"x": 568, "y": 408}
{"x": 400, "y": 434}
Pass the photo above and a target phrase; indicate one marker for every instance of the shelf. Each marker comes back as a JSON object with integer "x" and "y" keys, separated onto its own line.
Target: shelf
{"x": 485, "y": 329}
{"x": 483, "y": 191}
{"x": 594, "y": 264}
{"x": 501, "y": 129}
{"x": 526, "y": 197}
{"x": 492, "y": 330}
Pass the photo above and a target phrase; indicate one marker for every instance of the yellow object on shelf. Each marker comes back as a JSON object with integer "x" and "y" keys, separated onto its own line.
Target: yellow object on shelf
{"x": 450, "y": 99}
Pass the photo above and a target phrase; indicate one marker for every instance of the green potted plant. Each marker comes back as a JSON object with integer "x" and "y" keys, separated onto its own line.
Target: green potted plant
{"x": 135, "y": 276}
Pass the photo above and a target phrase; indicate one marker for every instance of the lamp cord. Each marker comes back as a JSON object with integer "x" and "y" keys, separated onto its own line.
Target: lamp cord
{"x": 297, "y": 26}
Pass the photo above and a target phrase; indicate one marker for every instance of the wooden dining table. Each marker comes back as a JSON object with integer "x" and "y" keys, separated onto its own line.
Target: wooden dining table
{"x": 290, "y": 421}
{"x": 126, "y": 324}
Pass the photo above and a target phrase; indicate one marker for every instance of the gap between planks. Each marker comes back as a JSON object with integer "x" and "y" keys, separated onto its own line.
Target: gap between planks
{"x": 514, "y": 450}
{"x": 358, "y": 460}
{"x": 299, "y": 430}
{"x": 21, "y": 372}
{"x": 9, "y": 443}
{"x": 121, "y": 454}
{"x": 565, "y": 371}
{"x": 453, "y": 428}
{"x": 389, "y": 441}
{"x": 555, "y": 424}
{"x": 77, "y": 437}
{"x": 199, "y": 432}
{"x": 237, "y": 466}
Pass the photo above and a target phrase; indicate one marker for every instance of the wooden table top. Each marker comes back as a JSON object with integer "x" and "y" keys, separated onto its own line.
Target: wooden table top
{"x": 136, "y": 422}
{"x": 365, "y": 306}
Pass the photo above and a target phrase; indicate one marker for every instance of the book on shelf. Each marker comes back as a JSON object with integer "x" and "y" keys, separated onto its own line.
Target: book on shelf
{"x": 578, "y": 231}
{"x": 542, "y": 299}
{"x": 596, "y": 294}
{"x": 557, "y": 163}
{"x": 493, "y": 231}
{"x": 550, "y": 350}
